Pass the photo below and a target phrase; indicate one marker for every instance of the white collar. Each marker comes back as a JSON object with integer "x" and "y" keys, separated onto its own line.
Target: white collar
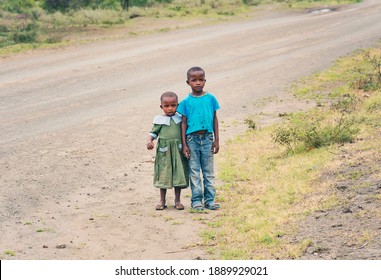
{"x": 167, "y": 120}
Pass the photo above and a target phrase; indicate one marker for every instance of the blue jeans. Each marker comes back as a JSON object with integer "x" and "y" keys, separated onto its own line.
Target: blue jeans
{"x": 201, "y": 161}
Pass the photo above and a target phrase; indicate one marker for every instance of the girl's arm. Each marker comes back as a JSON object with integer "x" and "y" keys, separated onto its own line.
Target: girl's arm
{"x": 154, "y": 133}
{"x": 184, "y": 127}
{"x": 216, "y": 142}
{"x": 150, "y": 144}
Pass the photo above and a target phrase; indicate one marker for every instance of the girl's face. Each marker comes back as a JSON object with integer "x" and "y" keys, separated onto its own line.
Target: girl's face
{"x": 169, "y": 106}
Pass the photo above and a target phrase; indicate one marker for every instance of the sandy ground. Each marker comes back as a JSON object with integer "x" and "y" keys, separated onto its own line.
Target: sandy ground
{"x": 75, "y": 177}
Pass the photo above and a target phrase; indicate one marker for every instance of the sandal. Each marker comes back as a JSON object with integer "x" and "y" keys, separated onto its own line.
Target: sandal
{"x": 213, "y": 206}
{"x": 198, "y": 208}
{"x": 160, "y": 207}
{"x": 179, "y": 207}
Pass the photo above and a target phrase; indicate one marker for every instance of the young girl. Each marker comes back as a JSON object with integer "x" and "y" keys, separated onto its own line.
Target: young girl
{"x": 170, "y": 165}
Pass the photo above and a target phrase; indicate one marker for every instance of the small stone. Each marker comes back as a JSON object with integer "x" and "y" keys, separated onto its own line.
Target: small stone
{"x": 62, "y": 246}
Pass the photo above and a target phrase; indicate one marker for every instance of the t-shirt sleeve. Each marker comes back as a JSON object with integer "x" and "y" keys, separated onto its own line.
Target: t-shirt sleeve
{"x": 216, "y": 105}
{"x": 155, "y": 130}
{"x": 181, "y": 109}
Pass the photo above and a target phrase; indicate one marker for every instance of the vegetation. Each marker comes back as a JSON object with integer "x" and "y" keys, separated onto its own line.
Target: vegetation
{"x": 36, "y": 23}
{"x": 270, "y": 175}
{"x": 9, "y": 253}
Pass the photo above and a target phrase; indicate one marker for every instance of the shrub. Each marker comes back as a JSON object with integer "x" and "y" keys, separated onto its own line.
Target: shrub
{"x": 17, "y": 6}
{"x": 25, "y": 33}
{"x": 369, "y": 72}
{"x": 56, "y": 5}
{"x": 250, "y": 122}
{"x": 315, "y": 130}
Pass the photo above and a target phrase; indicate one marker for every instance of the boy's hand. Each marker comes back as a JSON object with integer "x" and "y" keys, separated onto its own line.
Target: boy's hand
{"x": 150, "y": 145}
{"x": 215, "y": 147}
{"x": 186, "y": 152}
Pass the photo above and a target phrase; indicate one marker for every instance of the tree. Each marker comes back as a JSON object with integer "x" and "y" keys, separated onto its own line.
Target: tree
{"x": 125, "y": 4}
{"x": 56, "y": 5}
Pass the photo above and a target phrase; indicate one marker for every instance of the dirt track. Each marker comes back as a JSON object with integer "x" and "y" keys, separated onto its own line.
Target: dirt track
{"x": 75, "y": 177}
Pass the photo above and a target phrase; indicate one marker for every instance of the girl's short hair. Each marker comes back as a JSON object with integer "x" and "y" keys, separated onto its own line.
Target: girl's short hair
{"x": 169, "y": 94}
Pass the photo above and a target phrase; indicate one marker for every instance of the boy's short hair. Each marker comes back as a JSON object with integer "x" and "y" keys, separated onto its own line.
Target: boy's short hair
{"x": 194, "y": 69}
{"x": 169, "y": 94}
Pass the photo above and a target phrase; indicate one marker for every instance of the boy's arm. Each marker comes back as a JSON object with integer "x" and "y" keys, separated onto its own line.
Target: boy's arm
{"x": 184, "y": 126}
{"x": 216, "y": 142}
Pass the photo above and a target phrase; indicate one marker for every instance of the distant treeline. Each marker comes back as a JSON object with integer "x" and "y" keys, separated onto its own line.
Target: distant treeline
{"x": 18, "y": 6}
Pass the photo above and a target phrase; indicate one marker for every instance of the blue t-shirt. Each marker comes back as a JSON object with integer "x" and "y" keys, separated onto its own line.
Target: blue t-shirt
{"x": 199, "y": 111}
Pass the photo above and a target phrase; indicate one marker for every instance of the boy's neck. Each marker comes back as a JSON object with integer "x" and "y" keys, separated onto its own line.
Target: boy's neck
{"x": 198, "y": 93}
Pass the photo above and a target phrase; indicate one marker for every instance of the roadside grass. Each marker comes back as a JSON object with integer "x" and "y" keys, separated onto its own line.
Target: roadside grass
{"x": 9, "y": 253}
{"x": 44, "y": 230}
{"x": 269, "y": 188}
{"x": 314, "y": 4}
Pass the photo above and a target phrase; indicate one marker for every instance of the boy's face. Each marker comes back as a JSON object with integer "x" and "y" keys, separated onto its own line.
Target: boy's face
{"x": 169, "y": 105}
{"x": 197, "y": 81}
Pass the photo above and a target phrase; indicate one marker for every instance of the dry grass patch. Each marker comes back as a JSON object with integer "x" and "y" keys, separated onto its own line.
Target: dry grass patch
{"x": 265, "y": 192}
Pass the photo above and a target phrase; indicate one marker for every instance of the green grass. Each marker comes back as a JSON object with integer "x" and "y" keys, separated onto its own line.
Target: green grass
{"x": 9, "y": 253}
{"x": 268, "y": 189}
{"x": 44, "y": 230}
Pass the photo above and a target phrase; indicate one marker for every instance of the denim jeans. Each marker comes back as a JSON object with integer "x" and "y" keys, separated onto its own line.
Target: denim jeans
{"x": 201, "y": 162}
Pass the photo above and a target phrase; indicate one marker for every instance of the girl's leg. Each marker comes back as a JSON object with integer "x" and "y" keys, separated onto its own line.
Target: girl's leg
{"x": 161, "y": 205}
{"x": 178, "y": 204}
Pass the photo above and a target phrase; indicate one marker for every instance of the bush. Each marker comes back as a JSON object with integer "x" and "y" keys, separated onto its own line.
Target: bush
{"x": 369, "y": 72}
{"x": 17, "y": 6}
{"x": 64, "y": 5}
{"x": 56, "y": 5}
{"x": 25, "y": 33}
{"x": 315, "y": 130}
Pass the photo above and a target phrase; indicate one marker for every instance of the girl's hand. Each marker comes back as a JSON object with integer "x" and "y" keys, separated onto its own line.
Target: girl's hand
{"x": 150, "y": 145}
{"x": 186, "y": 152}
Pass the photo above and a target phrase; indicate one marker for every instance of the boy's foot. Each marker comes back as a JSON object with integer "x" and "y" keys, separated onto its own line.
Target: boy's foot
{"x": 213, "y": 206}
{"x": 198, "y": 208}
{"x": 179, "y": 207}
{"x": 161, "y": 207}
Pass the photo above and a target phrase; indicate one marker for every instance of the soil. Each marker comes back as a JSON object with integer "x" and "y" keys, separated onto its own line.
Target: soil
{"x": 75, "y": 176}
{"x": 351, "y": 229}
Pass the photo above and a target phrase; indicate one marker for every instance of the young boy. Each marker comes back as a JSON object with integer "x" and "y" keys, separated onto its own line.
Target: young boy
{"x": 199, "y": 124}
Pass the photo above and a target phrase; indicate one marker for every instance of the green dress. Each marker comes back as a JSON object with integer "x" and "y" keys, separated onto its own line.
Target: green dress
{"x": 171, "y": 169}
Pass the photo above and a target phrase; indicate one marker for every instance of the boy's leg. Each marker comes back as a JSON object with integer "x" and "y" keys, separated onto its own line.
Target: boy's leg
{"x": 207, "y": 167}
{"x": 194, "y": 167}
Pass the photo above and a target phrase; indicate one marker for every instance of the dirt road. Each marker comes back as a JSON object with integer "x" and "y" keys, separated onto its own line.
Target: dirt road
{"x": 75, "y": 177}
